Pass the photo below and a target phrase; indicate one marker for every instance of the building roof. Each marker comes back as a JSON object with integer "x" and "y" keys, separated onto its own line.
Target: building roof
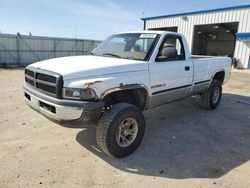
{"x": 197, "y": 12}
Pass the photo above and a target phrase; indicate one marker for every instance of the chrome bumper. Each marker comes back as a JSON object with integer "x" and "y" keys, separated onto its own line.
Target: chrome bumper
{"x": 61, "y": 110}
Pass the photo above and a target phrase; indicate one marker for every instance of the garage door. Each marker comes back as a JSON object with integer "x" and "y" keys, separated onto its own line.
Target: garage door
{"x": 214, "y": 39}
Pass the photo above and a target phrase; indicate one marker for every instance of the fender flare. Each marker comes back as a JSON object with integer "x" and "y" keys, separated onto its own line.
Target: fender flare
{"x": 217, "y": 71}
{"x": 126, "y": 87}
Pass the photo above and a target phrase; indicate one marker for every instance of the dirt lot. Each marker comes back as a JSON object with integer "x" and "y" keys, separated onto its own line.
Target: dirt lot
{"x": 184, "y": 145}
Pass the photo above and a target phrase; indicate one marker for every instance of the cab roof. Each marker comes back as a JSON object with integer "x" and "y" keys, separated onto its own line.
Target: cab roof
{"x": 146, "y": 31}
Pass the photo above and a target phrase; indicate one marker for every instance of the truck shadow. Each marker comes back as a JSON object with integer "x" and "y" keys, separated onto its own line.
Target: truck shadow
{"x": 184, "y": 141}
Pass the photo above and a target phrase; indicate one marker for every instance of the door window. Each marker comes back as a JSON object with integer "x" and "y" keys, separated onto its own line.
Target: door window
{"x": 171, "y": 49}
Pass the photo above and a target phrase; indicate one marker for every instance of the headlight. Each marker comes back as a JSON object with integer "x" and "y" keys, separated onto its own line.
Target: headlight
{"x": 79, "y": 94}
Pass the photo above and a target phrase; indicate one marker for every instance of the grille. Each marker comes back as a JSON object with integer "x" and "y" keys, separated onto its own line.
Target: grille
{"x": 44, "y": 81}
{"x": 29, "y": 72}
{"x": 47, "y": 88}
{"x": 31, "y": 82}
{"x": 46, "y": 78}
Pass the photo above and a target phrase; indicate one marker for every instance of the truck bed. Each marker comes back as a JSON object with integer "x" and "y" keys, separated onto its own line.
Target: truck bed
{"x": 206, "y": 66}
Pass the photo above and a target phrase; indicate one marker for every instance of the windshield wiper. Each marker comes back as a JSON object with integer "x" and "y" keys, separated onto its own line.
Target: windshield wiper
{"x": 91, "y": 53}
{"x": 113, "y": 55}
{"x": 133, "y": 58}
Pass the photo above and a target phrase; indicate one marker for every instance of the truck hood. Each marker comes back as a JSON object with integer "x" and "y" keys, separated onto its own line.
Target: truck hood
{"x": 74, "y": 67}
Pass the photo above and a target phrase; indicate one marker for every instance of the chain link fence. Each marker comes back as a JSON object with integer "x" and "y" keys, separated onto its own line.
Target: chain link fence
{"x": 22, "y": 50}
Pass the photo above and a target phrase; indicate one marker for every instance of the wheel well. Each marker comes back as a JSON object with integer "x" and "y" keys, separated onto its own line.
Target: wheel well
{"x": 219, "y": 76}
{"x": 137, "y": 97}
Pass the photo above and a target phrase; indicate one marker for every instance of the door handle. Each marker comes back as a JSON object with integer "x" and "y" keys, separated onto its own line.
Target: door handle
{"x": 187, "y": 68}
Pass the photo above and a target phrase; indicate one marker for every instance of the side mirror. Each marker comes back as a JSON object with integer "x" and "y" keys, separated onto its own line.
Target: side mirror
{"x": 168, "y": 53}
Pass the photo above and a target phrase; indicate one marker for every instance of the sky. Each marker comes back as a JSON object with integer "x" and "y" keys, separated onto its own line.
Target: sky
{"x": 92, "y": 19}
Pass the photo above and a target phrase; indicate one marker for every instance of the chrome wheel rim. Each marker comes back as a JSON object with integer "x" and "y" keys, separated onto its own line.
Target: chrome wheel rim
{"x": 126, "y": 132}
{"x": 216, "y": 95}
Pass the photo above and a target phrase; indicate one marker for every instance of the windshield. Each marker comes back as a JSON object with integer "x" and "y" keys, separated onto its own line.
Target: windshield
{"x": 136, "y": 46}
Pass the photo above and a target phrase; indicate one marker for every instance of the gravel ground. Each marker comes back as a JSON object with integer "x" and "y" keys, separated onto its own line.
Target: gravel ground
{"x": 184, "y": 145}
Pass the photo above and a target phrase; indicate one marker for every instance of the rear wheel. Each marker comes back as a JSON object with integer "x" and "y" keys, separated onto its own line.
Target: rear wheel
{"x": 120, "y": 130}
{"x": 210, "y": 99}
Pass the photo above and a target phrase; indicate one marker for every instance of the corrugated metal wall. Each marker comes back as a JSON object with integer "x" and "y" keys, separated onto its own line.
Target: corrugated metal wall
{"x": 187, "y": 27}
{"x": 21, "y": 50}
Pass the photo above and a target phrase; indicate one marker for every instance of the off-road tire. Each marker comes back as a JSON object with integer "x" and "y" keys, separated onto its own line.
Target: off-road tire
{"x": 107, "y": 128}
{"x": 207, "y": 96}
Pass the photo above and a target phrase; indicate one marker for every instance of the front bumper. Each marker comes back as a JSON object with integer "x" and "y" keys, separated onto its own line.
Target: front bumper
{"x": 63, "y": 111}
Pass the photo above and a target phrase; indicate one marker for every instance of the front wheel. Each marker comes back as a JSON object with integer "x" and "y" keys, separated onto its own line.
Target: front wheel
{"x": 120, "y": 130}
{"x": 210, "y": 99}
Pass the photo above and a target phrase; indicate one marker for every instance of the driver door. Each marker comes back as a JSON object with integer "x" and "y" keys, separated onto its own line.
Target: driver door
{"x": 170, "y": 76}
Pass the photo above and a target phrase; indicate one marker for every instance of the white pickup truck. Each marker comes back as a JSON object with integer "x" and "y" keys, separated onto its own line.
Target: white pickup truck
{"x": 125, "y": 75}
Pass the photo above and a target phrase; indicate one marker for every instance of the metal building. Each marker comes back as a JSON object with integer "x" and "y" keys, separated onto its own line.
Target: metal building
{"x": 22, "y": 50}
{"x": 216, "y": 32}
